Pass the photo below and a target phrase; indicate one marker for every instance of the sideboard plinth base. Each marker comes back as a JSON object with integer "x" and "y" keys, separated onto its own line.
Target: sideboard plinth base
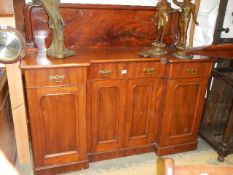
{"x": 93, "y": 157}
{"x": 53, "y": 170}
{"x": 160, "y": 151}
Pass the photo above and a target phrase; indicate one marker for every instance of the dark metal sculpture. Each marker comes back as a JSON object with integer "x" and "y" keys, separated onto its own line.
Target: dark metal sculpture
{"x": 188, "y": 11}
{"x": 161, "y": 22}
{"x": 57, "y": 48}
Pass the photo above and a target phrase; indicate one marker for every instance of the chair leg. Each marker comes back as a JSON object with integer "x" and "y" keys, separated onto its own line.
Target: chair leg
{"x": 227, "y": 134}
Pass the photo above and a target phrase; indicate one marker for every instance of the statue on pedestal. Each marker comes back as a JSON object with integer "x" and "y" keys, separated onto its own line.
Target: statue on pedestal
{"x": 160, "y": 20}
{"x": 57, "y": 48}
{"x": 188, "y": 11}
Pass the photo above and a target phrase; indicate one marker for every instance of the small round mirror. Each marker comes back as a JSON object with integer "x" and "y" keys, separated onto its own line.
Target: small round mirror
{"x": 11, "y": 45}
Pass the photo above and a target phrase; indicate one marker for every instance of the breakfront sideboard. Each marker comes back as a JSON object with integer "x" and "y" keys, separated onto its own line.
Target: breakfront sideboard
{"x": 106, "y": 101}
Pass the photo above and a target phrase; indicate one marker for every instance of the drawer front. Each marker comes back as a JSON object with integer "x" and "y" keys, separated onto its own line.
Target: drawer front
{"x": 105, "y": 71}
{"x": 55, "y": 77}
{"x": 145, "y": 69}
{"x": 186, "y": 70}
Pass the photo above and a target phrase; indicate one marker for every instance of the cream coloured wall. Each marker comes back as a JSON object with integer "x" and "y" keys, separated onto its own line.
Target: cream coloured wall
{"x": 7, "y": 21}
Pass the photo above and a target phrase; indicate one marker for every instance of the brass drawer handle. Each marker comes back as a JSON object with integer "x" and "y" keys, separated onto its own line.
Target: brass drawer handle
{"x": 192, "y": 71}
{"x": 149, "y": 70}
{"x": 105, "y": 73}
{"x": 57, "y": 78}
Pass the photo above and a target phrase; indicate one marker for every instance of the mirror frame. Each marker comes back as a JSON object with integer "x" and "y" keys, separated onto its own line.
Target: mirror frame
{"x": 22, "y": 41}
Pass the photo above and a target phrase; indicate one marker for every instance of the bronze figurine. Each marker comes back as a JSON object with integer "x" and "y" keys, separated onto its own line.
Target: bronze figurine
{"x": 57, "y": 48}
{"x": 160, "y": 20}
{"x": 188, "y": 10}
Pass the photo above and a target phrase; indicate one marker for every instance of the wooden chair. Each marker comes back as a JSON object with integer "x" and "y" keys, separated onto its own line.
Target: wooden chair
{"x": 166, "y": 166}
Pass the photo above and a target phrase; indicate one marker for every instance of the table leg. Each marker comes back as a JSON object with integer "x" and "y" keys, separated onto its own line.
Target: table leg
{"x": 227, "y": 134}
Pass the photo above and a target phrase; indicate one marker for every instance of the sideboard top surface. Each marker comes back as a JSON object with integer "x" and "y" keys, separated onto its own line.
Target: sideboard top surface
{"x": 87, "y": 56}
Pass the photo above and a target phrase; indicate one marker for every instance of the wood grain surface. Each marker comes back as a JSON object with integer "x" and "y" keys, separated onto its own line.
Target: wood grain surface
{"x": 100, "y": 25}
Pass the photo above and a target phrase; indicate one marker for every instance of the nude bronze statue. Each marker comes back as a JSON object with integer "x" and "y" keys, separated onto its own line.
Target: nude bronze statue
{"x": 161, "y": 20}
{"x": 188, "y": 9}
{"x": 57, "y": 48}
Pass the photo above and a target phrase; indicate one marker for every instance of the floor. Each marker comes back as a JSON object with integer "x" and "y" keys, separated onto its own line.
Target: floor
{"x": 26, "y": 169}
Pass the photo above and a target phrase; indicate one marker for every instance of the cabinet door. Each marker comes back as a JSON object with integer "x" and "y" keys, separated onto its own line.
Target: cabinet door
{"x": 107, "y": 114}
{"x": 140, "y": 111}
{"x": 58, "y": 124}
{"x": 182, "y": 113}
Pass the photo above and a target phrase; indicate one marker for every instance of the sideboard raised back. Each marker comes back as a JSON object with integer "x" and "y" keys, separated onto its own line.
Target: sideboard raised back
{"x": 100, "y": 25}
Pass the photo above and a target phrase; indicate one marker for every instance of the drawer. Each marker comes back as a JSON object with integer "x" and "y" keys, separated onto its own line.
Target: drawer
{"x": 145, "y": 69}
{"x": 186, "y": 70}
{"x": 55, "y": 76}
{"x": 105, "y": 71}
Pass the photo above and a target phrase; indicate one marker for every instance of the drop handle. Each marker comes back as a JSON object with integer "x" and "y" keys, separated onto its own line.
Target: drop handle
{"x": 57, "y": 78}
{"x": 226, "y": 30}
{"x": 192, "y": 71}
{"x": 149, "y": 70}
{"x": 105, "y": 73}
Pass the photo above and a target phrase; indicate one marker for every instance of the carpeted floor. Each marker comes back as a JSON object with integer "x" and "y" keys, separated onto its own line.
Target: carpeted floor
{"x": 144, "y": 164}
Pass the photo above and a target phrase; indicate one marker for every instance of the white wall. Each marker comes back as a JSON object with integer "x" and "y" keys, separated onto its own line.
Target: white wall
{"x": 207, "y": 15}
{"x": 228, "y": 21}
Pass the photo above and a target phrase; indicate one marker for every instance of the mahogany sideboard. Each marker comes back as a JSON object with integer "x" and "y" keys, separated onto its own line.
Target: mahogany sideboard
{"x": 106, "y": 101}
